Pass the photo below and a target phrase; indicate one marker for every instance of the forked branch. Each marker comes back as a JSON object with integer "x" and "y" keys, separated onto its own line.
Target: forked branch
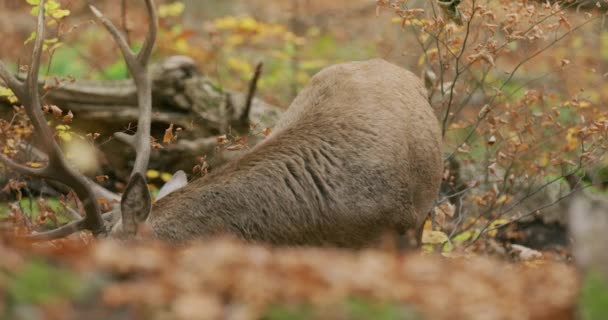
{"x": 253, "y": 84}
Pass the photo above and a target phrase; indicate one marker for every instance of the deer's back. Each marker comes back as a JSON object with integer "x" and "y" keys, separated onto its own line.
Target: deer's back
{"x": 357, "y": 153}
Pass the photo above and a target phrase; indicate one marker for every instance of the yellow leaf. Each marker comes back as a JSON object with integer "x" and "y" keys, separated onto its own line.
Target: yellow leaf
{"x": 494, "y": 224}
{"x": 181, "y": 45}
{"x": 462, "y": 237}
{"x": 152, "y": 174}
{"x": 584, "y": 104}
{"x": 51, "y": 5}
{"x": 8, "y": 94}
{"x": 434, "y": 237}
{"x": 248, "y": 23}
{"x": 165, "y": 176}
{"x": 421, "y": 59}
{"x": 571, "y": 139}
{"x": 65, "y": 136}
{"x": 504, "y": 199}
{"x": 226, "y": 23}
{"x": 60, "y": 13}
{"x": 240, "y": 66}
{"x": 427, "y": 248}
{"x": 173, "y": 9}
{"x": 35, "y": 164}
{"x": 312, "y": 64}
{"x": 30, "y": 38}
{"x": 234, "y": 40}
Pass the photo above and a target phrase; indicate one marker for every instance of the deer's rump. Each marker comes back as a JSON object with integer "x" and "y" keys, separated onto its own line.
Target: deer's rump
{"x": 356, "y": 154}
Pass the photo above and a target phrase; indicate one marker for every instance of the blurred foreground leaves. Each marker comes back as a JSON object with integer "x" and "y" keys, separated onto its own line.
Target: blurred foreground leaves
{"x": 226, "y": 279}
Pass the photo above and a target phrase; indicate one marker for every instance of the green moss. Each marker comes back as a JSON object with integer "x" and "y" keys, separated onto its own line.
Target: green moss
{"x": 291, "y": 312}
{"x": 41, "y": 283}
{"x": 355, "y": 308}
{"x": 593, "y": 303}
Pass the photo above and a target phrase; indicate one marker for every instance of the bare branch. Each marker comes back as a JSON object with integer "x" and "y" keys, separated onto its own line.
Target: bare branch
{"x": 444, "y": 123}
{"x": 253, "y": 84}
{"x": 478, "y": 122}
{"x": 573, "y": 181}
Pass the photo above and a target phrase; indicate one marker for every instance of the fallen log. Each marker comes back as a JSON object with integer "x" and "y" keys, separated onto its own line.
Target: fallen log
{"x": 182, "y": 96}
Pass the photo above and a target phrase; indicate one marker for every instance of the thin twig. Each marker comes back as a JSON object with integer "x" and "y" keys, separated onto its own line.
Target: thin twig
{"x": 253, "y": 84}
{"x": 509, "y": 78}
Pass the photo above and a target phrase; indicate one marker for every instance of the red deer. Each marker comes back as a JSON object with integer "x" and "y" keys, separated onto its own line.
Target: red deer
{"x": 357, "y": 154}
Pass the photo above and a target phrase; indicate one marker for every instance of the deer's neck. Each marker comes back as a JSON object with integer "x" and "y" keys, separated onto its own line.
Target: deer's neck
{"x": 274, "y": 194}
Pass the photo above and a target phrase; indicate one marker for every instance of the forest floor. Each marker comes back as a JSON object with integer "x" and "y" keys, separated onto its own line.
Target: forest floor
{"x": 81, "y": 278}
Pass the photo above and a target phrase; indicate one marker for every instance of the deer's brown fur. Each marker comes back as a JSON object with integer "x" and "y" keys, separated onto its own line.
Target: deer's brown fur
{"x": 357, "y": 153}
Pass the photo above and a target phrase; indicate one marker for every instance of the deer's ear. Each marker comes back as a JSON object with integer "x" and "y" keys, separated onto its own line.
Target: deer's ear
{"x": 136, "y": 203}
{"x": 177, "y": 181}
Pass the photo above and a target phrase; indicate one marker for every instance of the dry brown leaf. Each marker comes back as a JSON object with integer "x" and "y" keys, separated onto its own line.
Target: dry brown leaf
{"x": 68, "y": 117}
{"x": 169, "y": 137}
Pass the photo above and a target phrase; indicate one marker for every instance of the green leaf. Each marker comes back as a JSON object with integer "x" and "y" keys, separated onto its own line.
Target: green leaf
{"x": 604, "y": 45}
{"x": 117, "y": 70}
{"x": 51, "y": 6}
{"x": 56, "y": 46}
{"x": 60, "y": 13}
{"x": 427, "y": 248}
{"x": 35, "y": 10}
{"x": 8, "y": 94}
{"x": 434, "y": 237}
{"x": 30, "y": 38}
{"x": 171, "y": 10}
{"x": 447, "y": 247}
{"x": 463, "y": 236}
